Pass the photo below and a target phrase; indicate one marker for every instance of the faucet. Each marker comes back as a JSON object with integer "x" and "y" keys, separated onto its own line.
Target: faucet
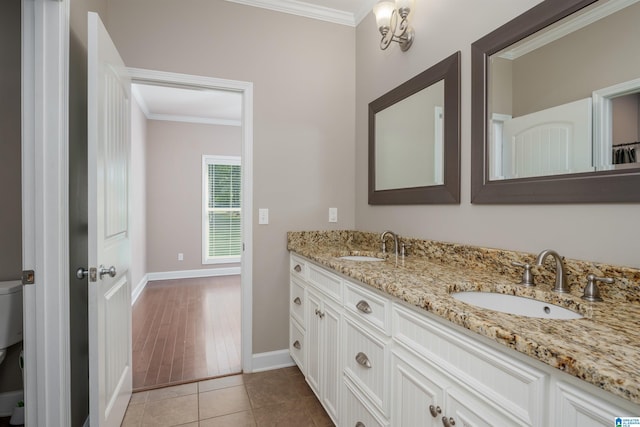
{"x": 384, "y": 235}
{"x": 561, "y": 275}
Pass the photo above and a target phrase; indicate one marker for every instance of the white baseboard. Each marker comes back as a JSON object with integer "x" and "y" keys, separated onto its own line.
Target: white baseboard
{"x": 188, "y": 274}
{"x": 271, "y": 360}
{"x": 181, "y": 274}
{"x": 135, "y": 293}
{"x": 8, "y": 401}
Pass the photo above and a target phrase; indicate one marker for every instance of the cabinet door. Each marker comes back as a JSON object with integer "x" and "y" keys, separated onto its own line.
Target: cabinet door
{"x": 330, "y": 320}
{"x": 417, "y": 401}
{"x": 577, "y": 408}
{"x": 313, "y": 337}
{"x": 463, "y": 409}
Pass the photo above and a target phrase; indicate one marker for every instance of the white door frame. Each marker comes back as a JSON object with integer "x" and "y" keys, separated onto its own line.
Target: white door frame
{"x": 45, "y": 207}
{"x": 162, "y": 78}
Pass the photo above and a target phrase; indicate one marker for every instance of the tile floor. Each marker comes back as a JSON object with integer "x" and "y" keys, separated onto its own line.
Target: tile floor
{"x": 273, "y": 398}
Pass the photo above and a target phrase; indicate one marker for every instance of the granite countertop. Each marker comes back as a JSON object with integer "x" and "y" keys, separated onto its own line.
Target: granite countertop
{"x": 602, "y": 348}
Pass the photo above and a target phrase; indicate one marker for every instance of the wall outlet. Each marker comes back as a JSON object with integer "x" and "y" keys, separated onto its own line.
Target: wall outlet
{"x": 333, "y": 214}
{"x": 180, "y": 256}
{"x": 263, "y": 216}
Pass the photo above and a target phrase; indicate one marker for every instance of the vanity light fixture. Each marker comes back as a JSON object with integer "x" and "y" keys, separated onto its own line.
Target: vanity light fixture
{"x": 387, "y": 15}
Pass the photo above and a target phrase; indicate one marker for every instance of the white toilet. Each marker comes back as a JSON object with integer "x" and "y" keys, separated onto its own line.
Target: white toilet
{"x": 10, "y": 315}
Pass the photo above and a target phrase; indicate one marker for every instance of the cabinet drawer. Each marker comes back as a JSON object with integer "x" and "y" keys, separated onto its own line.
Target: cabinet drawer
{"x": 366, "y": 360}
{"x": 520, "y": 388}
{"x": 296, "y": 344}
{"x": 297, "y": 299}
{"x": 329, "y": 283}
{"x": 357, "y": 412}
{"x": 298, "y": 267}
{"x": 366, "y": 305}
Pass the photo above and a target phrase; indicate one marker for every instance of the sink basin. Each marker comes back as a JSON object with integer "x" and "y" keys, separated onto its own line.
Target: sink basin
{"x": 513, "y": 304}
{"x": 361, "y": 258}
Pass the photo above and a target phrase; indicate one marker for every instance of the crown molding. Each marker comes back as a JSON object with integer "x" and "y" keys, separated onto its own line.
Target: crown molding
{"x": 307, "y": 10}
{"x": 574, "y": 24}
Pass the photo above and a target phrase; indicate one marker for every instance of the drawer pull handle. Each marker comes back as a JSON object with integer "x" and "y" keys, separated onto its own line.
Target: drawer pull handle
{"x": 364, "y": 307}
{"x": 297, "y": 268}
{"x": 435, "y": 410}
{"x": 448, "y": 422}
{"x": 296, "y": 344}
{"x": 360, "y": 424}
{"x": 363, "y": 360}
{"x": 297, "y": 301}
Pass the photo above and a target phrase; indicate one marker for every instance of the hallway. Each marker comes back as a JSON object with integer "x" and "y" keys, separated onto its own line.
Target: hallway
{"x": 186, "y": 330}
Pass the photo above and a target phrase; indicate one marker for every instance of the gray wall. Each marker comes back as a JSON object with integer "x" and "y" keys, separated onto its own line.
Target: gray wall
{"x": 303, "y": 72}
{"x": 138, "y": 219}
{"x": 78, "y": 314}
{"x": 10, "y": 169}
{"x": 441, "y": 29}
{"x": 174, "y": 190}
{"x": 10, "y": 187}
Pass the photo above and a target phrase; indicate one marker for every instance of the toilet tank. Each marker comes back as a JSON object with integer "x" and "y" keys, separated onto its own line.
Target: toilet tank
{"x": 10, "y": 313}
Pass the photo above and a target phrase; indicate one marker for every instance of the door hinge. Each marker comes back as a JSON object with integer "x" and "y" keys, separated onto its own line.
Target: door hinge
{"x": 28, "y": 277}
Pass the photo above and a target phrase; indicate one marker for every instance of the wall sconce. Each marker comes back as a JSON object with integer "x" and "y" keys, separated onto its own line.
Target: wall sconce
{"x": 387, "y": 15}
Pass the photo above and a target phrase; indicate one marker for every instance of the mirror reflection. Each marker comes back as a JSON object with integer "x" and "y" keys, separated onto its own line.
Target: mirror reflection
{"x": 414, "y": 139}
{"x": 567, "y": 99}
{"x": 409, "y": 137}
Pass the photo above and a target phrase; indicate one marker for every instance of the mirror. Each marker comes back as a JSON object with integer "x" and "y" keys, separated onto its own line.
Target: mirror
{"x": 555, "y": 108}
{"x": 414, "y": 139}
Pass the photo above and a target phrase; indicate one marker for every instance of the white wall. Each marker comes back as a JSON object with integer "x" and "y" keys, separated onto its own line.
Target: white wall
{"x": 303, "y": 71}
{"x": 442, "y": 27}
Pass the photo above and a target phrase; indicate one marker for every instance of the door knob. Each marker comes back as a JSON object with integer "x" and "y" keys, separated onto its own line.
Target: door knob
{"x": 81, "y": 273}
{"x": 111, "y": 271}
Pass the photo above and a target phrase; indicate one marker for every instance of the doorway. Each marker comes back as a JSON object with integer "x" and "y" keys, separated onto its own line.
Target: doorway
{"x": 185, "y": 264}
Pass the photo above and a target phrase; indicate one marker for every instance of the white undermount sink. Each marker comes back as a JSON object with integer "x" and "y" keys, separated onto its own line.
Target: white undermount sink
{"x": 513, "y": 304}
{"x": 361, "y": 258}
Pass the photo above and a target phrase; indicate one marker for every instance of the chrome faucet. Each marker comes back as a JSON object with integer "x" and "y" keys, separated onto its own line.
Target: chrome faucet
{"x": 383, "y": 236}
{"x": 561, "y": 275}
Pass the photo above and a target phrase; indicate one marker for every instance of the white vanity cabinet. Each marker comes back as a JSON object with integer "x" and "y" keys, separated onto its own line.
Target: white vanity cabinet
{"x": 375, "y": 361}
{"x": 315, "y": 325}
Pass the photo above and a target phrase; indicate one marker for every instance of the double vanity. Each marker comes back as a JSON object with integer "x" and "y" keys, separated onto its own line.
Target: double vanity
{"x": 428, "y": 339}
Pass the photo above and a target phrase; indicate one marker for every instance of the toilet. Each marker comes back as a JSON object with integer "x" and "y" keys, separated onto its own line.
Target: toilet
{"x": 10, "y": 315}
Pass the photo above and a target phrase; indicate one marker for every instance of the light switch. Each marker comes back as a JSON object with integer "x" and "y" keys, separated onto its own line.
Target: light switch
{"x": 180, "y": 256}
{"x": 263, "y": 216}
{"x": 333, "y": 214}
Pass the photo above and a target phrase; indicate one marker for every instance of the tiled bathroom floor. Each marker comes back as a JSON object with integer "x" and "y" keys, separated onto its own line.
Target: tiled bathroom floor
{"x": 273, "y": 398}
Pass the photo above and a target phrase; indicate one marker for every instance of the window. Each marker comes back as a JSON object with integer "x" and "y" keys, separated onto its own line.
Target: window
{"x": 222, "y": 231}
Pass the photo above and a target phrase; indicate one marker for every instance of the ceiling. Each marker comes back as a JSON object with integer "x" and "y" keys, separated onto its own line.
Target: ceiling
{"x": 225, "y": 107}
{"x": 218, "y": 107}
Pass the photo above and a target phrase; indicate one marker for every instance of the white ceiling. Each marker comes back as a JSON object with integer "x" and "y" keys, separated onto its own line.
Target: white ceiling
{"x": 225, "y": 107}
{"x": 189, "y": 105}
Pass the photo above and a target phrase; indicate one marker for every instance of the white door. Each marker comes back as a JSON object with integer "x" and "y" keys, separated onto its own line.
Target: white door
{"x": 109, "y": 252}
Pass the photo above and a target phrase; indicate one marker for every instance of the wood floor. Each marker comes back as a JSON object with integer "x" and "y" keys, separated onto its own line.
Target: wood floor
{"x": 186, "y": 330}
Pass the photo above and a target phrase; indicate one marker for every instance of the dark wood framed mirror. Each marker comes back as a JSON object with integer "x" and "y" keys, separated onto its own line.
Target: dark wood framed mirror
{"x": 414, "y": 139}
{"x": 601, "y": 181}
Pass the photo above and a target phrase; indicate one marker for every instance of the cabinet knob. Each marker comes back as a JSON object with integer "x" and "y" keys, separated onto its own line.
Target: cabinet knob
{"x": 364, "y": 306}
{"x": 363, "y": 360}
{"x": 297, "y": 268}
{"x": 297, "y": 301}
{"x": 360, "y": 424}
{"x": 435, "y": 410}
{"x": 448, "y": 422}
{"x": 296, "y": 344}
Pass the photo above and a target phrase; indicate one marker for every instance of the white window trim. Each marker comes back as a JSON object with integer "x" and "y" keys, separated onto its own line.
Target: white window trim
{"x": 220, "y": 160}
